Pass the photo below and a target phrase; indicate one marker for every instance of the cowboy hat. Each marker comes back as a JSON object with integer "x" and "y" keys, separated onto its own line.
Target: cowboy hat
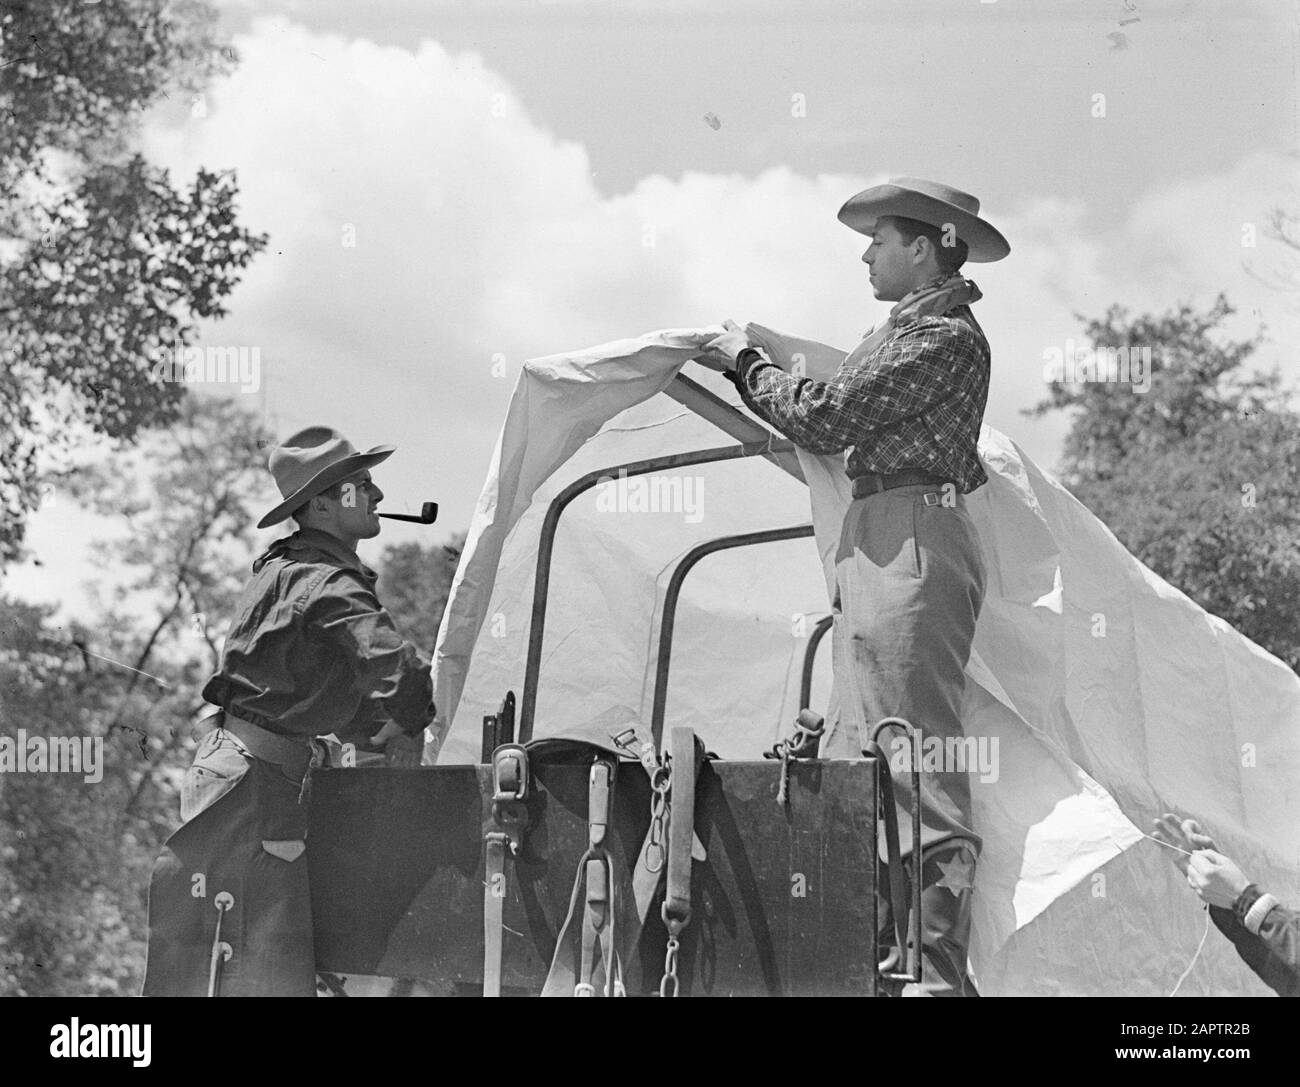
{"x": 930, "y": 202}
{"x": 311, "y": 461}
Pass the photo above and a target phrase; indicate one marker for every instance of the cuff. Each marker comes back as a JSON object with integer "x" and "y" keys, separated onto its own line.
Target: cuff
{"x": 1252, "y": 907}
{"x": 749, "y": 356}
{"x": 420, "y": 726}
{"x": 1245, "y": 901}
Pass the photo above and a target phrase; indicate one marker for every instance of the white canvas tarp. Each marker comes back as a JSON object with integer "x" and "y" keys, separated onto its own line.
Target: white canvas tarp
{"x": 1111, "y": 696}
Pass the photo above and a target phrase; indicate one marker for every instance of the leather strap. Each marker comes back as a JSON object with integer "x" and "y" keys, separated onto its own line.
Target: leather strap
{"x": 651, "y": 865}
{"x": 598, "y": 933}
{"x": 505, "y": 830}
{"x": 681, "y": 829}
{"x": 593, "y": 886}
{"x": 907, "y": 915}
{"x": 598, "y": 918}
{"x": 684, "y": 761}
{"x": 893, "y": 855}
{"x": 562, "y": 978}
{"x": 494, "y": 902}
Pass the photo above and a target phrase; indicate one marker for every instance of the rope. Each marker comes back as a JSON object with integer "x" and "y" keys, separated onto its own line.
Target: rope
{"x": 1204, "y": 934}
{"x": 1167, "y": 845}
{"x": 802, "y": 745}
{"x": 1197, "y": 955}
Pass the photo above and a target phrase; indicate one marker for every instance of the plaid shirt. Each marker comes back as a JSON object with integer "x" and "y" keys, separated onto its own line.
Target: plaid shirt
{"x": 917, "y": 401}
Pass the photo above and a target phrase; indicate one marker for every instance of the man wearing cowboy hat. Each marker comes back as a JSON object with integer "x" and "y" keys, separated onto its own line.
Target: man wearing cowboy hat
{"x": 905, "y": 408}
{"x": 311, "y": 652}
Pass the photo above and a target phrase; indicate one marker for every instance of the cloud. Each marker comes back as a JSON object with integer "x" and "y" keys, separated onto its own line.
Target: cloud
{"x": 480, "y": 236}
{"x": 1196, "y": 236}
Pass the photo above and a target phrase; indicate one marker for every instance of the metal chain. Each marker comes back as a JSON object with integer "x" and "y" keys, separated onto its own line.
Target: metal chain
{"x": 659, "y": 767}
{"x": 660, "y": 784}
{"x": 670, "y": 969}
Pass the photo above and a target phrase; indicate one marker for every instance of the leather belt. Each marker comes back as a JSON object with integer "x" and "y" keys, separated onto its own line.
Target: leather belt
{"x": 292, "y": 754}
{"x": 873, "y": 482}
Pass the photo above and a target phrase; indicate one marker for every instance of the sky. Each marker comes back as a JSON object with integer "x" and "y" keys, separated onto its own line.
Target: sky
{"x": 452, "y": 187}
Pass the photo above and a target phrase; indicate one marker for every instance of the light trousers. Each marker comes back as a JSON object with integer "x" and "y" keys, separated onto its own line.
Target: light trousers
{"x": 910, "y": 583}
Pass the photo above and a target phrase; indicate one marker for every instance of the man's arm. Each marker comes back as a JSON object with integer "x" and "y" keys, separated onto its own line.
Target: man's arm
{"x": 1266, "y": 936}
{"x": 373, "y": 722}
{"x": 759, "y": 409}
{"x": 918, "y": 368}
{"x": 388, "y": 670}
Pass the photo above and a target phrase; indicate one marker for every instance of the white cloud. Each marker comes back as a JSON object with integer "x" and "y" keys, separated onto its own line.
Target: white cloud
{"x": 479, "y": 232}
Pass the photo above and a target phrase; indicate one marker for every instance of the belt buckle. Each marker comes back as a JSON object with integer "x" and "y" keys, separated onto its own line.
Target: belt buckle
{"x": 938, "y": 498}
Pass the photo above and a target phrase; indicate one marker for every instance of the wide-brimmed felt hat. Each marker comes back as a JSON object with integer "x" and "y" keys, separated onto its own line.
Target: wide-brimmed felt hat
{"x": 930, "y": 202}
{"x": 311, "y": 461}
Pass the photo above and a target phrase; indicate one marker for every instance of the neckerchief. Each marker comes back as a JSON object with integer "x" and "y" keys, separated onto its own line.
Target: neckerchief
{"x": 945, "y": 291}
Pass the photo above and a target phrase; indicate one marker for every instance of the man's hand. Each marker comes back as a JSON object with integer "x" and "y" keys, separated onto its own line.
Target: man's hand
{"x": 399, "y": 748}
{"x": 1209, "y": 873}
{"x": 1215, "y": 878}
{"x": 721, "y": 351}
{"x": 1185, "y": 834}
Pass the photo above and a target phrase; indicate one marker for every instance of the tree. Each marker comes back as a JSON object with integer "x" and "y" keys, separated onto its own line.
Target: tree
{"x": 1199, "y": 477}
{"x": 189, "y": 500}
{"x": 103, "y": 264}
{"x": 75, "y": 857}
{"x": 1194, "y": 382}
{"x": 414, "y": 584}
{"x": 1281, "y": 225}
{"x": 63, "y": 927}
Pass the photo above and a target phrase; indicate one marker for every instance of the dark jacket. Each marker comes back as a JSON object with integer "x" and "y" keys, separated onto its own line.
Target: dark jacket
{"x": 1274, "y": 951}
{"x": 312, "y": 650}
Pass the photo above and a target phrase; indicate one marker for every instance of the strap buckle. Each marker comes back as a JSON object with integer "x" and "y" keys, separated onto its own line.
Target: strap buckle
{"x": 627, "y": 741}
{"x": 600, "y": 785}
{"x": 509, "y": 791}
{"x": 676, "y": 916}
{"x": 509, "y": 773}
